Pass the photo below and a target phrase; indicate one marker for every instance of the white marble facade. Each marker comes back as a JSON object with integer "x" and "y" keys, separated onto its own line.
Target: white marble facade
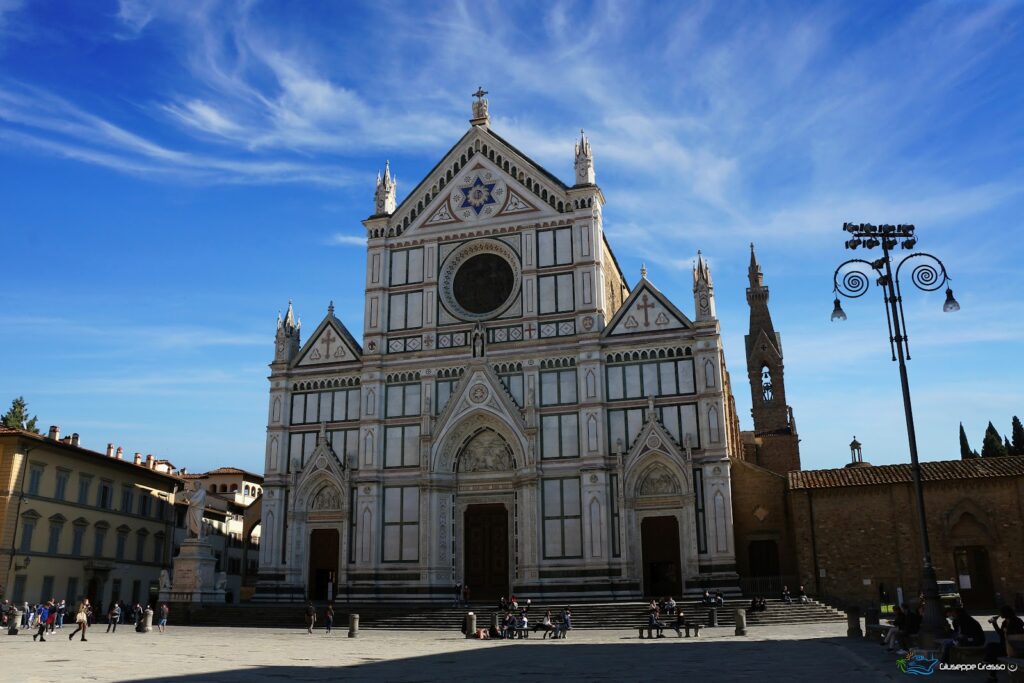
{"x": 517, "y": 416}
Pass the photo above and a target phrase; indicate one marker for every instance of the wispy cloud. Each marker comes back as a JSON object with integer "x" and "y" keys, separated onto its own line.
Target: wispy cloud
{"x": 121, "y": 337}
{"x": 341, "y": 240}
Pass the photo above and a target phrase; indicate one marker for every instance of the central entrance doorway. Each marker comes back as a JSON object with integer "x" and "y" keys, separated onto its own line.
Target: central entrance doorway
{"x": 485, "y": 551}
{"x": 323, "y": 563}
{"x": 660, "y": 541}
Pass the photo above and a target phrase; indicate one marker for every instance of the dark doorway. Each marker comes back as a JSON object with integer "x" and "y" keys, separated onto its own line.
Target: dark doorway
{"x": 764, "y": 558}
{"x": 974, "y": 576}
{"x": 662, "y": 575}
{"x": 486, "y": 551}
{"x": 323, "y": 563}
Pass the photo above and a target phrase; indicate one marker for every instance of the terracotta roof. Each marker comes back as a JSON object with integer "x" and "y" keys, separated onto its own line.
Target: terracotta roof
{"x": 229, "y": 470}
{"x": 9, "y": 431}
{"x": 941, "y": 470}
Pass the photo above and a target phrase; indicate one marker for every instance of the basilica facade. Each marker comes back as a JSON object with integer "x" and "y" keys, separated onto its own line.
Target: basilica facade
{"x": 518, "y": 417}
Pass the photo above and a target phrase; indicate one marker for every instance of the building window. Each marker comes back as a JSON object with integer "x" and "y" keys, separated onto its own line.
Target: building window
{"x": 681, "y": 422}
{"x": 127, "y": 496}
{"x": 560, "y": 436}
{"x": 47, "y": 588}
{"x": 554, "y": 247}
{"x": 698, "y": 508}
{"x": 613, "y": 499}
{"x": 514, "y": 383}
{"x": 557, "y": 387}
{"x": 401, "y": 523}
{"x": 623, "y": 427}
{"x": 140, "y": 545}
{"x": 19, "y": 588}
{"x": 71, "y": 594}
{"x": 77, "y": 539}
{"x": 405, "y": 311}
{"x": 158, "y": 548}
{"x": 35, "y": 478}
{"x": 122, "y": 545}
{"x": 407, "y": 266}
{"x": 28, "y": 527}
{"x": 403, "y": 400}
{"x": 344, "y": 443}
{"x": 555, "y": 293}
{"x": 84, "y": 483}
{"x": 53, "y": 543}
{"x": 60, "y": 490}
{"x": 661, "y": 378}
{"x": 401, "y": 446}
{"x": 105, "y": 496}
{"x": 563, "y": 529}
{"x": 99, "y": 541}
{"x": 443, "y": 389}
{"x": 115, "y": 589}
{"x": 300, "y": 447}
{"x": 325, "y": 406}
{"x": 144, "y": 505}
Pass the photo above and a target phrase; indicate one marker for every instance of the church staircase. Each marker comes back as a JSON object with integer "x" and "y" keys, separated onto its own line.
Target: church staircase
{"x": 609, "y": 616}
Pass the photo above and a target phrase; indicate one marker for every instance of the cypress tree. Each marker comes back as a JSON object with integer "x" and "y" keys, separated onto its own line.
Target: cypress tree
{"x": 992, "y": 446}
{"x": 17, "y": 417}
{"x": 1017, "y": 441}
{"x": 965, "y": 448}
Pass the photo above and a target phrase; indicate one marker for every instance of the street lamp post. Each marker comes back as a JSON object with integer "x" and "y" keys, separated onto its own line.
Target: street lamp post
{"x": 852, "y": 280}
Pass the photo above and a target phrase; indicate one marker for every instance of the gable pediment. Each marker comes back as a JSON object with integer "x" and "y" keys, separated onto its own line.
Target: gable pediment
{"x": 763, "y": 346}
{"x": 482, "y": 179}
{"x": 323, "y": 466}
{"x": 646, "y": 310}
{"x": 654, "y": 438}
{"x": 479, "y": 389}
{"x": 330, "y": 344}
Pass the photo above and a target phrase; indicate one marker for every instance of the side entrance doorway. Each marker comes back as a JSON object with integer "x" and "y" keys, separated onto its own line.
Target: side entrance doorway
{"x": 974, "y": 576}
{"x": 660, "y": 542}
{"x": 485, "y": 551}
{"x": 323, "y": 563}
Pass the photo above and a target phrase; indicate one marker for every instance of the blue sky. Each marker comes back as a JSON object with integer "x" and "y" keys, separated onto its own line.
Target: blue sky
{"x": 174, "y": 172}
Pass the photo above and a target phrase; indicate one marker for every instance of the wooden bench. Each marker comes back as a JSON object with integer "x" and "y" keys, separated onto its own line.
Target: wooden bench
{"x": 965, "y": 654}
{"x": 521, "y": 632}
{"x": 688, "y": 626}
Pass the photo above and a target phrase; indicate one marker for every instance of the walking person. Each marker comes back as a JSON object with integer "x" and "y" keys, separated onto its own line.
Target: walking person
{"x": 329, "y": 617}
{"x": 44, "y": 614}
{"x": 465, "y": 595}
{"x": 114, "y": 617}
{"x": 62, "y": 608}
{"x": 162, "y": 624}
{"x": 81, "y": 619}
{"x": 51, "y": 619}
{"x": 310, "y": 617}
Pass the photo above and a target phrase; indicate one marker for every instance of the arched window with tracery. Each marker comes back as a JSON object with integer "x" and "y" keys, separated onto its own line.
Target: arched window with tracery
{"x": 766, "y": 384}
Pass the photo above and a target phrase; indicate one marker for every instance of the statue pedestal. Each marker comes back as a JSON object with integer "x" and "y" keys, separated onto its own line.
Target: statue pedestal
{"x": 195, "y": 578}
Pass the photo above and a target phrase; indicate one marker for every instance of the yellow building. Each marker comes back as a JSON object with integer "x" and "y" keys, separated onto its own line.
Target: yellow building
{"x": 80, "y": 523}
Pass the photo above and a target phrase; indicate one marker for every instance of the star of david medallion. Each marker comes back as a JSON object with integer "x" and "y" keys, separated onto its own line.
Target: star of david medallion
{"x": 477, "y": 195}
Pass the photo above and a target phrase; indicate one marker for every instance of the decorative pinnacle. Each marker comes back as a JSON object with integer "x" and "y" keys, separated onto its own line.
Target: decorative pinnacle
{"x": 330, "y": 308}
{"x": 643, "y": 271}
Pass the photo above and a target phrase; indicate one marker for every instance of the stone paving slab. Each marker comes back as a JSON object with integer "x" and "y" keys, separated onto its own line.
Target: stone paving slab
{"x": 791, "y": 653}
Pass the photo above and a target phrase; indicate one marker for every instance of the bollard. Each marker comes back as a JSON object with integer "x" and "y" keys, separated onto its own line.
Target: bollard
{"x": 353, "y": 625}
{"x": 713, "y": 617}
{"x": 853, "y": 623}
{"x": 470, "y": 625}
{"x": 13, "y": 622}
{"x": 741, "y": 622}
{"x": 147, "y": 621}
{"x": 871, "y": 618}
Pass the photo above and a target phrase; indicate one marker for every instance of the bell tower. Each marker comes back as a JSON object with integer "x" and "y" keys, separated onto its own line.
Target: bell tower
{"x": 778, "y": 446}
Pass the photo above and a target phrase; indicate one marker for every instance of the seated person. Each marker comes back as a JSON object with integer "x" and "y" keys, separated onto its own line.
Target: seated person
{"x": 522, "y": 623}
{"x": 707, "y": 597}
{"x": 762, "y": 605}
{"x": 786, "y": 597}
{"x": 1011, "y": 625}
{"x": 502, "y": 604}
{"x": 898, "y": 621}
{"x": 653, "y": 622}
{"x": 680, "y": 622}
{"x": 546, "y": 624}
{"x": 967, "y": 632}
{"x": 753, "y": 606}
{"x": 911, "y": 626}
{"x": 670, "y": 605}
{"x": 801, "y": 595}
{"x": 719, "y": 599}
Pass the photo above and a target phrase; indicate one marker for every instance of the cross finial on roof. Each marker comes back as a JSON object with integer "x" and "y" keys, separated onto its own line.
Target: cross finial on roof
{"x": 480, "y": 92}
{"x": 480, "y": 116}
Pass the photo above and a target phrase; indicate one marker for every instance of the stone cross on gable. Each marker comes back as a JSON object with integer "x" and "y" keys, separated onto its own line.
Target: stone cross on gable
{"x": 328, "y": 339}
{"x": 645, "y": 307}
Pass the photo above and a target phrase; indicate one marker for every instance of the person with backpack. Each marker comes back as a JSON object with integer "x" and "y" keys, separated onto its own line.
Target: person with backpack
{"x": 310, "y": 617}
{"x": 43, "y": 614}
{"x": 114, "y": 617}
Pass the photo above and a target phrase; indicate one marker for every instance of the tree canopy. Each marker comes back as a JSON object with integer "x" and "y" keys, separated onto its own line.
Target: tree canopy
{"x": 17, "y": 417}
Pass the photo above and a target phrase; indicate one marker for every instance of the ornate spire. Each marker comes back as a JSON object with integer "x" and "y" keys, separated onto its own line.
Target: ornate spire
{"x": 584, "y": 161}
{"x": 330, "y": 308}
{"x": 384, "y": 196}
{"x": 703, "y": 290}
{"x": 754, "y": 271}
{"x": 287, "y": 337}
{"x": 480, "y": 115}
{"x": 643, "y": 271}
